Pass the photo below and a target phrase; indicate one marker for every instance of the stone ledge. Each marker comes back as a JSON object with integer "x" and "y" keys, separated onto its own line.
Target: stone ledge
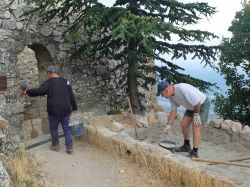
{"x": 178, "y": 169}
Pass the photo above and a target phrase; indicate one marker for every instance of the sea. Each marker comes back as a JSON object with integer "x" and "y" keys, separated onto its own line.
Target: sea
{"x": 199, "y": 70}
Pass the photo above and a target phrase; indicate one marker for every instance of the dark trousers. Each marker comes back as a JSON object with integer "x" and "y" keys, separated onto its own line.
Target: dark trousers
{"x": 64, "y": 120}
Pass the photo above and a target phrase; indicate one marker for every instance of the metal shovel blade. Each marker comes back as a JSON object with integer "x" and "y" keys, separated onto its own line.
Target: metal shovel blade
{"x": 169, "y": 145}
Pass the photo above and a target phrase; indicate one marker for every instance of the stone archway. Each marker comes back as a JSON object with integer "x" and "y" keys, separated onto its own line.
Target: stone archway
{"x": 44, "y": 59}
{"x": 32, "y": 63}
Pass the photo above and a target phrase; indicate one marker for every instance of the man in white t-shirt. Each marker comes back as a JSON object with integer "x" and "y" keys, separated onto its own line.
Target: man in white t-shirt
{"x": 197, "y": 108}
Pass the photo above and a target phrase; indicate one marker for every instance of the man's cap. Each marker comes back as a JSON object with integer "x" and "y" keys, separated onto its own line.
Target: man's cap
{"x": 161, "y": 86}
{"x": 53, "y": 69}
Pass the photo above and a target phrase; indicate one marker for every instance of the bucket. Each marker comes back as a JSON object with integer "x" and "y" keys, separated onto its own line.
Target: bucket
{"x": 77, "y": 128}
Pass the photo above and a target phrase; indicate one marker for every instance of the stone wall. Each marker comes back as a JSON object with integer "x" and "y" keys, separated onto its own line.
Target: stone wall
{"x": 27, "y": 47}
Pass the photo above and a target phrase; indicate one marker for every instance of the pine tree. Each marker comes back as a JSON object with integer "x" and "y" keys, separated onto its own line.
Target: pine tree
{"x": 234, "y": 65}
{"x": 134, "y": 32}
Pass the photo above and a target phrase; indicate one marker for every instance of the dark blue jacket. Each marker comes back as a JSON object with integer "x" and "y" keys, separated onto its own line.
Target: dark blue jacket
{"x": 60, "y": 97}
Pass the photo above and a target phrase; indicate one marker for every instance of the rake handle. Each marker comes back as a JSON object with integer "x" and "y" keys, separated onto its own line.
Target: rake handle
{"x": 221, "y": 162}
{"x": 235, "y": 160}
{"x": 133, "y": 118}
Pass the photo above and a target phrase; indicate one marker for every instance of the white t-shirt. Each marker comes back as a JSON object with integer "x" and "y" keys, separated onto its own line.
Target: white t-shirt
{"x": 187, "y": 96}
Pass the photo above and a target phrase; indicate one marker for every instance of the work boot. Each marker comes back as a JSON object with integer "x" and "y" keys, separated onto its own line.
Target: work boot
{"x": 183, "y": 148}
{"x": 193, "y": 154}
{"x": 54, "y": 148}
{"x": 69, "y": 151}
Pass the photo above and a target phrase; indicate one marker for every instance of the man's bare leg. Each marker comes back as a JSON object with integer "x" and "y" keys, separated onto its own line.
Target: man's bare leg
{"x": 185, "y": 124}
{"x": 196, "y": 136}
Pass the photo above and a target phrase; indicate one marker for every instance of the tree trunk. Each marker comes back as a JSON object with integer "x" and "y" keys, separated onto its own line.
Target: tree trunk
{"x": 133, "y": 91}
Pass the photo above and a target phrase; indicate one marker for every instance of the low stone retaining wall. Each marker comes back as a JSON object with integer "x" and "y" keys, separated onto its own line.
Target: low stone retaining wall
{"x": 234, "y": 130}
{"x": 178, "y": 169}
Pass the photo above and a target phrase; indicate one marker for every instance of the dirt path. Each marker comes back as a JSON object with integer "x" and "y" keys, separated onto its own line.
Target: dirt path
{"x": 89, "y": 166}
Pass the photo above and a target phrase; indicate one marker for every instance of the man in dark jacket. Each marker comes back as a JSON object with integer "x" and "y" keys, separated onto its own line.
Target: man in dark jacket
{"x": 60, "y": 103}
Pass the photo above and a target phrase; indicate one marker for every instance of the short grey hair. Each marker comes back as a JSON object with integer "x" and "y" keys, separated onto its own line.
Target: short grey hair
{"x": 52, "y": 69}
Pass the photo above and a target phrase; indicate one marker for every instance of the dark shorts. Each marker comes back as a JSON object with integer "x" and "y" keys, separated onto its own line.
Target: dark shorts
{"x": 203, "y": 112}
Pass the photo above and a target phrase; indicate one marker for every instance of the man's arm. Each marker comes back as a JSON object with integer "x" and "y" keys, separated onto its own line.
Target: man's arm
{"x": 42, "y": 90}
{"x": 171, "y": 117}
{"x": 197, "y": 108}
{"x": 170, "y": 121}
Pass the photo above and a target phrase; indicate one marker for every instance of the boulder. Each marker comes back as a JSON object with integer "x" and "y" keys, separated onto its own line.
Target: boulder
{"x": 226, "y": 125}
{"x": 143, "y": 120}
{"x": 116, "y": 126}
{"x": 236, "y": 127}
{"x": 152, "y": 120}
{"x": 246, "y": 131}
{"x": 4, "y": 176}
{"x": 3, "y": 124}
{"x": 216, "y": 123}
{"x": 162, "y": 117}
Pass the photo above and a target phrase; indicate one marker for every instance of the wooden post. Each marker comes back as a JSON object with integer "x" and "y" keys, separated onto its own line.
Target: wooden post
{"x": 133, "y": 118}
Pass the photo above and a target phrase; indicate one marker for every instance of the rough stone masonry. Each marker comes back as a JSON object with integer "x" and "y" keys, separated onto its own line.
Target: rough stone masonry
{"x": 27, "y": 47}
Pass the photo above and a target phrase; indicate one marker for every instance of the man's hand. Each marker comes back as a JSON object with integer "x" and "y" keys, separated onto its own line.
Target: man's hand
{"x": 196, "y": 120}
{"x": 23, "y": 92}
{"x": 167, "y": 129}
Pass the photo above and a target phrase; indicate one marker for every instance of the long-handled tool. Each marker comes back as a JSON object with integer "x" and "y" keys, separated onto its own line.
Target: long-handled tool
{"x": 235, "y": 160}
{"x": 169, "y": 145}
{"x": 34, "y": 132}
{"x": 221, "y": 162}
{"x": 133, "y": 118}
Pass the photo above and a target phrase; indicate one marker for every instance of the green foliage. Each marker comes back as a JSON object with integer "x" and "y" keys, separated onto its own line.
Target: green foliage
{"x": 133, "y": 32}
{"x": 234, "y": 66}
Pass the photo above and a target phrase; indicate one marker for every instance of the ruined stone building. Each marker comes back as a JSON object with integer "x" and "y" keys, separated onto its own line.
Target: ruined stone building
{"x": 27, "y": 48}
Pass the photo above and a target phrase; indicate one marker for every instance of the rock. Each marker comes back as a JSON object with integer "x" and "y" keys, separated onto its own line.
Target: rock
{"x": 154, "y": 106}
{"x": 121, "y": 171}
{"x": 246, "y": 131}
{"x": 236, "y": 127}
{"x": 7, "y": 15}
{"x": 162, "y": 117}
{"x": 4, "y": 176}
{"x": 226, "y": 125}
{"x": 142, "y": 121}
{"x": 137, "y": 118}
{"x": 127, "y": 126}
{"x": 19, "y": 25}
{"x": 116, "y": 126}
{"x": 152, "y": 120}
{"x": 3, "y": 124}
{"x": 64, "y": 46}
{"x": 45, "y": 30}
{"x": 2, "y": 135}
{"x": 8, "y": 25}
{"x": 216, "y": 123}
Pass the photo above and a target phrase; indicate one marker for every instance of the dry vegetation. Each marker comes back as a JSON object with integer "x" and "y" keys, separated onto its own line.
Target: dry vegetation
{"x": 25, "y": 170}
{"x": 168, "y": 170}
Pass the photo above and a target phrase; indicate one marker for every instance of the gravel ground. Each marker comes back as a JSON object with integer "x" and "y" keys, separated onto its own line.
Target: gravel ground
{"x": 89, "y": 166}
